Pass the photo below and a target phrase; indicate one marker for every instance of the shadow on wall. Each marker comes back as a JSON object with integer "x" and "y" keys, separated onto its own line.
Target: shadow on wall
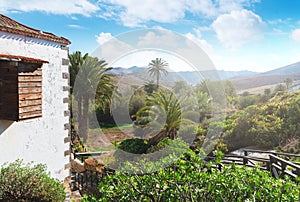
{"x": 4, "y": 125}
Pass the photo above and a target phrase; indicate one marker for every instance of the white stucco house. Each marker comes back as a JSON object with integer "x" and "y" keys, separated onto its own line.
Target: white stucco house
{"x": 34, "y": 97}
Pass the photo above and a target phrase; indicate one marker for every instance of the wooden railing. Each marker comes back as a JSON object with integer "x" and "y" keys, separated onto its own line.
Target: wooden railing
{"x": 278, "y": 163}
{"x": 286, "y": 156}
{"x": 281, "y": 167}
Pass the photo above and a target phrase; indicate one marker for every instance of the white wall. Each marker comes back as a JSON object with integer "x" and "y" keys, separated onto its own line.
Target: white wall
{"x": 40, "y": 140}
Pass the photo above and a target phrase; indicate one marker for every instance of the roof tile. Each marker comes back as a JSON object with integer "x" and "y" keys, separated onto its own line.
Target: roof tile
{"x": 11, "y": 26}
{"x": 21, "y": 58}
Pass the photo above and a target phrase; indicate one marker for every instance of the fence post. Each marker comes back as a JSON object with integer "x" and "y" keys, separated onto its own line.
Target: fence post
{"x": 245, "y": 160}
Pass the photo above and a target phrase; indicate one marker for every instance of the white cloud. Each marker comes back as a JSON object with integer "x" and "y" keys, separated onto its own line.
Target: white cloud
{"x": 295, "y": 35}
{"x": 134, "y": 13}
{"x": 199, "y": 41}
{"x": 76, "y": 26}
{"x": 238, "y": 27}
{"x": 110, "y": 47}
{"x": 206, "y": 7}
{"x": 103, "y": 37}
{"x": 139, "y": 47}
{"x": 64, "y": 7}
{"x": 161, "y": 39}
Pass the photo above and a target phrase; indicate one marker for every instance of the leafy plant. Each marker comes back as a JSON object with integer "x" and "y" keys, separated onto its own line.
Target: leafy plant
{"x": 134, "y": 145}
{"x": 24, "y": 182}
{"x": 190, "y": 179}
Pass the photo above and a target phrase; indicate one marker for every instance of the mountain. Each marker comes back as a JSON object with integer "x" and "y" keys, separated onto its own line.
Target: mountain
{"x": 268, "y": 78}
{"x": 190, "y": 77}
{"x": 120, "y": 71}
{"x": 289, "y": 69}
{"x": 242, "y": 80}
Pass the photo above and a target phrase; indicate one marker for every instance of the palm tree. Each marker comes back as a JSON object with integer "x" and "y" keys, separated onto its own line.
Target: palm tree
{"x": 76, "y": 60}
{"x": 164, "y": 111}
{"x": 156, "y": 68}
{"x": 92, "y": 77}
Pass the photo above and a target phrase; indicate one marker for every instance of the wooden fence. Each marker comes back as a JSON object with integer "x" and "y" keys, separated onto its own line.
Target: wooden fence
{"x": 278, "y": 164}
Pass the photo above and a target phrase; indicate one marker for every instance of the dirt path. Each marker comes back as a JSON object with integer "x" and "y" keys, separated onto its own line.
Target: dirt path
{"x": 104, "y": 139}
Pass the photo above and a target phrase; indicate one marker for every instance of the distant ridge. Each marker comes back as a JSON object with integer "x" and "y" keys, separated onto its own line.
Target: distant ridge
{"x": 190, "y": 77}
{"x": 289, "y": 69}
{"x": 242, "y": 80}
{"x": 272, "y": 77}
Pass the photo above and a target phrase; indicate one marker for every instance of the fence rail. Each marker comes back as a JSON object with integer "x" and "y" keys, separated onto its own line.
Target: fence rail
{"x": 279, "y": 167}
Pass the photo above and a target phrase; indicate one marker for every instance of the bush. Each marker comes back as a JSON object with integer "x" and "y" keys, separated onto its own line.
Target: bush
{"x": 189, "y": 179}
{"x": 24, "y": 182}
{"x": 134, "y": 145}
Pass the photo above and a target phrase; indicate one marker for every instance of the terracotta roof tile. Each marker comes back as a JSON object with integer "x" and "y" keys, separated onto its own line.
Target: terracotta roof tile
{"x": 11, "y": 26}
{"x": 21, "y": 58}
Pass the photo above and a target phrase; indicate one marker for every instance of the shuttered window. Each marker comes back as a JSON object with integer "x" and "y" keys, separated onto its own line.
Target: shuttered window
{"x": 20, "y": 89}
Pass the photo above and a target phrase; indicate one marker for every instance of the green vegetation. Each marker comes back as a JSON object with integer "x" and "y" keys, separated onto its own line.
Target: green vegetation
{"x": 135, "y": 146}
{"x": 25, "y": 182}
{"x": 191, "y": 179}
{"x": 92, "y": 80}
{"x": 210, "y": 113}
{"x": 269, "y": 125}
{"x": 156, "y": 68}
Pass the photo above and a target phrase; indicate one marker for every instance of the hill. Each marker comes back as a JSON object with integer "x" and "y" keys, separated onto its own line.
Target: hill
{"x": 242, "y": 80}
{"x": 268, "y": 78}
{"x": 191, "y": 77}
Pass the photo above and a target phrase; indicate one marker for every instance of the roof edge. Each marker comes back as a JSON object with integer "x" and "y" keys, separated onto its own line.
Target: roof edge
{"x": 11, "y": 26}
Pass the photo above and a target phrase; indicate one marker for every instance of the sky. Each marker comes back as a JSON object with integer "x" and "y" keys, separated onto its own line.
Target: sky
{"x": 254, "y": 35}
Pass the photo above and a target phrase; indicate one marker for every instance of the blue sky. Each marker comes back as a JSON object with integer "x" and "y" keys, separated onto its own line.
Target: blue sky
{"x": 257, "y": 35}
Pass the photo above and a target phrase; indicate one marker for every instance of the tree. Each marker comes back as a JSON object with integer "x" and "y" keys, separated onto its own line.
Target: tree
{"x": 267, "y": 91}
{"x": 288, "y": 82}
{"x": 279, "y": 88}
{"x": 156, "y": 68}
{"x": 163, "y": 111}
{"x": 149, "y": 87}
{"x": 76, "y": 60}
{"x": 93, "y": 78}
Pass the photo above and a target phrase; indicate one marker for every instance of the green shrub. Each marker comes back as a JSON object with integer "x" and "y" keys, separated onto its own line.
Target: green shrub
{"x": 190, "y": 179}
{"x": 24, "y": 182}
{"x": 134, "y": 145}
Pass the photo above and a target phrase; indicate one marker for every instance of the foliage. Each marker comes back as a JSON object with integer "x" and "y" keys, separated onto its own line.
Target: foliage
{"x": 76, "y": 60}
{"x": 162, "y": 144}
{"x": 190, "y": 179}
{"x": 134, "y": 145}
{"x": 137, "y": 101}
{"x": 288, "y": 82}
{"x": 76, "y": 143}
{"x": 163, "y": 111}
{"x": 248, "y": 100}
{"x": 279, "y": 88}
{"x": 156, "y": 68}
{"x": 92, "y": 81}
{"x": 20, "y": 182}
{"x": 267, "y": 126}
{"x": 219, "y": 91}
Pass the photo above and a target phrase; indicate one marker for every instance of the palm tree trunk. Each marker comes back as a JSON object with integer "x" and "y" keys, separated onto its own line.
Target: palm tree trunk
{"x": 85, "y": 118}
{"x": 157, "y": 138}
{"x": 157, "y": 80}
{"x": 79, "y": 117}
